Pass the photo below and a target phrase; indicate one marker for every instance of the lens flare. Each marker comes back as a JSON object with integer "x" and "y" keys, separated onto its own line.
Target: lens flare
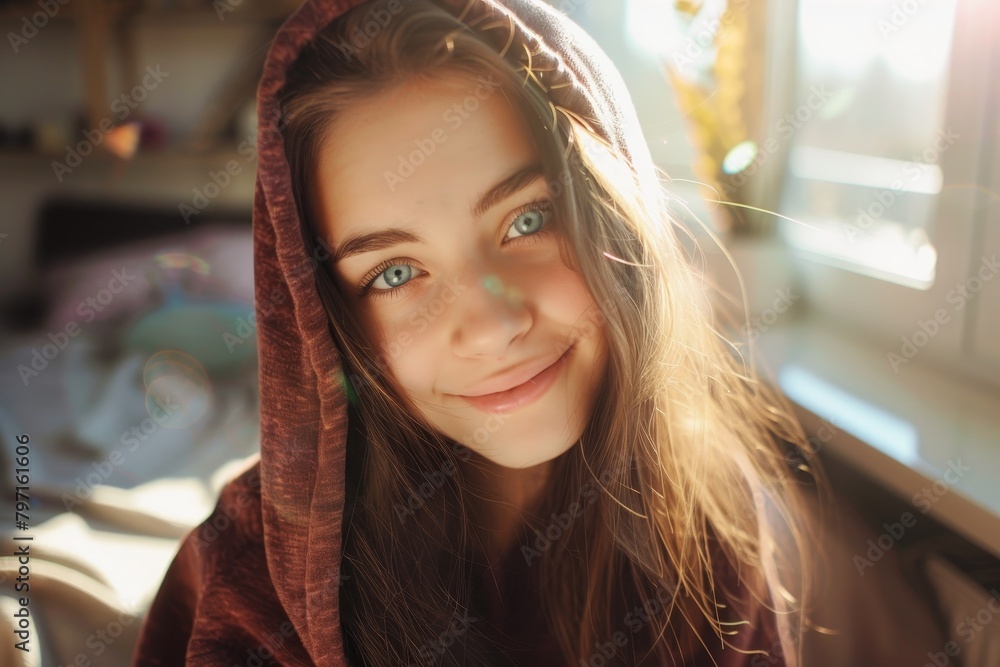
{"x": 182, "y": 260}
{"x": 178, "y": 390}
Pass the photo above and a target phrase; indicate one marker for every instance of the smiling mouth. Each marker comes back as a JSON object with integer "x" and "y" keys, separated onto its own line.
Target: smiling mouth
{"x": 523, "y": 394}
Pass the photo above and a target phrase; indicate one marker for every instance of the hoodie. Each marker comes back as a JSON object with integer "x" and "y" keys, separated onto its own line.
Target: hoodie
{"x": 257, "y": 582}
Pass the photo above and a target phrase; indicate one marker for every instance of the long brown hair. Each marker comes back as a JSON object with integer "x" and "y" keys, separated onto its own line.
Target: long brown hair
{"x": 684, "y": 460}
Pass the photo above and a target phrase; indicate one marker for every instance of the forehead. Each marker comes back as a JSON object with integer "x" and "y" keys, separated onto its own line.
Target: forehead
{"x": 415, "y": 147}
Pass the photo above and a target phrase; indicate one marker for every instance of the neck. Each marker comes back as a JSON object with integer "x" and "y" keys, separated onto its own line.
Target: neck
{"x": 502, "y": 498}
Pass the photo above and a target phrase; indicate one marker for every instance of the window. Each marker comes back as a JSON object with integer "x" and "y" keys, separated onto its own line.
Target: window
{"x": 865, "y": 165}
{"x": 893, "y": 166}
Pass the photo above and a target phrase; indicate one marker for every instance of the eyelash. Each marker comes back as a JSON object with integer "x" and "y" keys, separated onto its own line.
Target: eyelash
{"x": 543, "y": 205}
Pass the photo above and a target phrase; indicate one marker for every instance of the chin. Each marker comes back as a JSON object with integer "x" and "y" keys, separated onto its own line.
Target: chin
{"x": 521, "y": 440}
{"x": 520, "y": 454}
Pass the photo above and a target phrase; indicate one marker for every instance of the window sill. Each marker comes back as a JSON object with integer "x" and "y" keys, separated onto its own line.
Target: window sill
{"x": 931, "y": 438}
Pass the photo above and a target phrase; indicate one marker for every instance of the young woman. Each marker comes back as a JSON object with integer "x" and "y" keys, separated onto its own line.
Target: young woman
{"x": 497, "y": 424}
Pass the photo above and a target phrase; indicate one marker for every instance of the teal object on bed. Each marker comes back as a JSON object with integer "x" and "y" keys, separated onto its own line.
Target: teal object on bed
{"x": 221, "y": 335}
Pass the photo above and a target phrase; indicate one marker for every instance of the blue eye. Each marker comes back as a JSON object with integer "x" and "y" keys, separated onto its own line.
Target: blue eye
{"x": 531, "y": 219}
{"x": 394, "y": 276}
{"x": 389, "y": 278}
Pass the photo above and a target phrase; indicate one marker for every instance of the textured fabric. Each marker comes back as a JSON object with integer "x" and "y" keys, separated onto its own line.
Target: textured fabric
{"x": 258, "y": 581}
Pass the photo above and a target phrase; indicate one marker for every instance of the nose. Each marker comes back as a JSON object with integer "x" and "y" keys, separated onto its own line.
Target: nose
{"x": 491, "y": 315}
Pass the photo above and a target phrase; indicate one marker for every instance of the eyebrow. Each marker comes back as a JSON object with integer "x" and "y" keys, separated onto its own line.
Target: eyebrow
{"x": 361, "y": 242}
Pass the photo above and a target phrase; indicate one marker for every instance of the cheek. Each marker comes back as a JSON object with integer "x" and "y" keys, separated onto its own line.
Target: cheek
{"x": 409, "y": 351}
{"x": 565, "y": 299}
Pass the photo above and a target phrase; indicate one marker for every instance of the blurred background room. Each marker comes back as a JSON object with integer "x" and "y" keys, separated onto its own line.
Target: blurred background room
{"x": 835, "y": 167}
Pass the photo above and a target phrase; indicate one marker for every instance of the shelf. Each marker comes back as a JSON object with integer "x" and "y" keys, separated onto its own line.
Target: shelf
{"x": 69, "y": 11}
{"x": 134, "y": 9}
{"x": 105, "y": 24}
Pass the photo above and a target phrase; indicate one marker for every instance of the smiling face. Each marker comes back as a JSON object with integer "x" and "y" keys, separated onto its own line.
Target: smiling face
{"x": 434, "y": 202}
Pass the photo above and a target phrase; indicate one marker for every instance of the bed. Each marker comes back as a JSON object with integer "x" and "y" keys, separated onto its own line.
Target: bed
{"x": 131, "y": 368}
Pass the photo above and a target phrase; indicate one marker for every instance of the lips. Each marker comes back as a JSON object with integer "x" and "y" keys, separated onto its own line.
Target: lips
{"x": 514, "y": 378}
{"x": 520, "y": 389}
